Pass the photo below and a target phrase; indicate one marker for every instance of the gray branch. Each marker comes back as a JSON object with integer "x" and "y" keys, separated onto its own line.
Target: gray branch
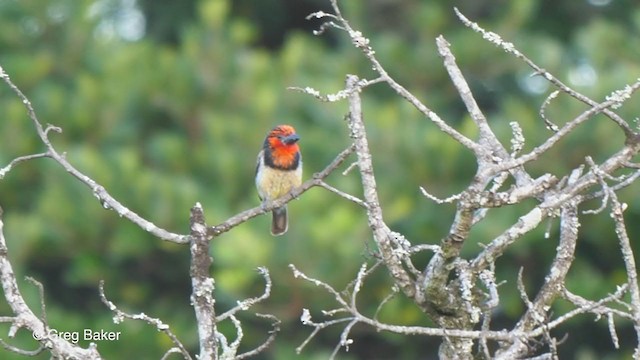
{"x": 447, "y": 290}
{"x": 25, "y": 318}
{"x": 203, "y": 285}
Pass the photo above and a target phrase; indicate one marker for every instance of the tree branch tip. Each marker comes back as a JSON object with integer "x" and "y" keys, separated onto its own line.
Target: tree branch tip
{"x": 34, "y": 282}
{"x": 296, "y": 272}
{"x": 349, "y": 168}
{"x": 305, "y": 317}
{"x": 442, "y": 42}
{"x": 307, "y": 90}
{"x": 268, "y": 316}
{"x": 319, "y": 15}
{"x": 459, "y": 14}
{"x": 53, "y": 128}
{"x": 436, "y": 199}
{"x": 315, "y": 14}
{"x": 342, "y": 94}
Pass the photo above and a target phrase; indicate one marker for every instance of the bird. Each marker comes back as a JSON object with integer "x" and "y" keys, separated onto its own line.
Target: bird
{"x": 278, "y": 170}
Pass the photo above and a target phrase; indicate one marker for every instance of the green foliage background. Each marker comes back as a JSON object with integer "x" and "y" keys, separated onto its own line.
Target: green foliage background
{"x": 177, "y": 114}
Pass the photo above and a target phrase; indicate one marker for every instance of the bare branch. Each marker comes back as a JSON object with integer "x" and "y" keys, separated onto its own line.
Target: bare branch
{"x": 203, "y": 285}
{"x": 597, "y": 307}
{"x": 517, "y": 142}
{"x": 537, "y": 310}
{"x": 487, "y": 277}
{"x": 543, "y": 111}
{"x": 107, "y": 201}
{"x": 19, "y": 351}
{"x": 233, "y": 347}
{"x": 455, "y": 293}
{"x": 437, "y": 200}
{"x": 167, "y": 355}
{"x": 630, "y": 264}
{"x": 561, "y": 133}
{"x": 612, "y": 331}
{"x": 466, "y": 283}
{"x": 340, "y": 95}
{"x": 392, "y": 294}
{"x": 305, "y": 318}
{"x": 344, "y": 339}
{"x": 381, "y": 233}
{"x": 454, "y": 304}
{"x": 586, "y": 307}
{"x": 362, "y": 43}
{"x": 343, "y": 194}
{"x": 510, "y": 48}
{"x": 272, "y": 336}
{"x": 25, "y": 318}
{"x": 43, "y": 309}
{"x": 14, "y": 162}
{"x": 299, "y": 274}
{"x": 157, "y": 323}
{"x": 247, "y": 303}
{"x": 352, "y": 314}
{"x": 487, "y": 138}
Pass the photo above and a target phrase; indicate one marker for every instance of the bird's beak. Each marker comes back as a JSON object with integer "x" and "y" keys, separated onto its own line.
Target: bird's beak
{"x": 291, "y": 139}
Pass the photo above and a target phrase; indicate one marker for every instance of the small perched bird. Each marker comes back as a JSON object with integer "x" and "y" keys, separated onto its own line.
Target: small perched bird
{"x": 279, "y": 170}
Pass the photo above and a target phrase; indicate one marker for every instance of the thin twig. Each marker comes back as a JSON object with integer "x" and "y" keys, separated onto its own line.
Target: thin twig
{"x": 43, "y": 309}
{"x": 510, "y": 48}
{"x": 543, "y": 111}
{"x": 597, "y": 307}
{"x": 107, "y": 201}
{"x": 14, "y": 162}
{"x": 620, "y": 291}
{"x": 247, "y": 303}
{"x": 362, "y": 43}
{"x": 272, "y": 336}
{"x": 343, "y": 194}
{"x": 23, "y": 352}
{"x": 157, "y": 323}
{"x": 617, "y": 210}
{"x": 340, "y": 95}
{"x": 25, "y": 318}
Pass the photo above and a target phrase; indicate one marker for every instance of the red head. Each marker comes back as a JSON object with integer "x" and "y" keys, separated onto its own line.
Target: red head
{"x": 281, "y": 145}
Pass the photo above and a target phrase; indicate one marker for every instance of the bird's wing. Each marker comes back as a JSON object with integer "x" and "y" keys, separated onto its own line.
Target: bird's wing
{"x": 259, "y": 161}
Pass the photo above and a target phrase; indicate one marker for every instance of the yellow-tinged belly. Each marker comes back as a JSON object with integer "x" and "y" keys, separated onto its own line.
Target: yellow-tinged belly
{"x": 274, "y": 183}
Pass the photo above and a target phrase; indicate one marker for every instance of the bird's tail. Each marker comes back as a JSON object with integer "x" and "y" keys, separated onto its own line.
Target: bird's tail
{"x": 279, "y": 221}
